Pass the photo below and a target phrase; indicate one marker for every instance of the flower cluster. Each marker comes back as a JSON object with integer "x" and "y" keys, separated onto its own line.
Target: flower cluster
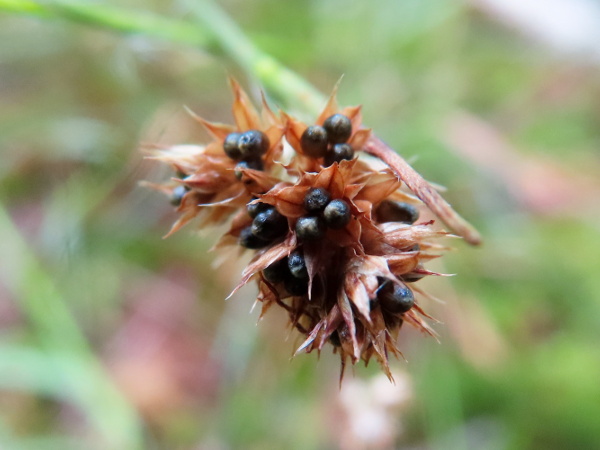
{"x": 337, "y": 243}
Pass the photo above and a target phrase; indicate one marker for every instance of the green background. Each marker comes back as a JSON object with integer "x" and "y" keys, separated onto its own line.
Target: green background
{"x": 111, "y": 337}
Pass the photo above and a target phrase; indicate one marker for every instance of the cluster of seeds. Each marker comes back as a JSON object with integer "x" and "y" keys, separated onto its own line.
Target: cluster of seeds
{"x": 268, "y": 226}
{"x": 329, "y": 141}
{"x": 336, "y": 241}
{"x": 247, "y": 149}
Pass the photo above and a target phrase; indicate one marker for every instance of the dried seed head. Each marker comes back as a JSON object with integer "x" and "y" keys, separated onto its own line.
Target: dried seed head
{"x": 356, "y": 251}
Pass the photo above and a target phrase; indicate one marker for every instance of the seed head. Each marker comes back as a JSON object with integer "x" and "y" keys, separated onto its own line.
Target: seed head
{"x": 325, "y": 227}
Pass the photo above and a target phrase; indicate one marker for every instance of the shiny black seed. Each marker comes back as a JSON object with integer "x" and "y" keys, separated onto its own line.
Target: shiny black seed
{"x": 334, "y": 338}
{"x": 269, "y": 224}
{"x": 394, "y": 211}
{"x": 314, "y": 141}
{"x": 255, "y": 208}
{"x": 297, "y": 265}
{"x": 310, "y": 228}
{"x": 177, "y": 194}
{"x": 253, "y": 144}
{"x": 338, "y": 153}
{"x": 395, "y": 298}
{"x": 338, "y": 127}
{"x": 277, "y": 272}
{"x": 249, "y": 240}
{"x": 316, "y": 200}
{"x": 255, "y": 164}
{"x": 337, "y": 214}
{"x": 231, "y": 146}
{"x": 296, "y": 286}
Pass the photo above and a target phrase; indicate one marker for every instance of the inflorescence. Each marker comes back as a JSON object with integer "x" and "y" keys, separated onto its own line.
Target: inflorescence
{"x": 337, "y": 243}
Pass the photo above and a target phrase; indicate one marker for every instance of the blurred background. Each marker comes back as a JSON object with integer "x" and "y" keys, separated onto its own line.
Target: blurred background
{"x": 111, "y": 337}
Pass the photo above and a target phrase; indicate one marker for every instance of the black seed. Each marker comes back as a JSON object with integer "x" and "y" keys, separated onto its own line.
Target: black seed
{"x": 334, "y": 338}
{"x": 316, "y": 199}
{"x": 248, "y": 240}
{"x": 177, "y": 194}
{"x": 338, "y": 153}
{"x": 297, "y": 265}
{"x": 338, "y": 127}
{"x": 255, "y": 208}
{"x": 253, "y": 144}
{"x": 337, "y": 214}
{"x": 269, "y": 224}
{"x": 314, "y": 141}
{"x": 231, "y": 146}
{"x": 395, "y": 298}
{"x": 278, "y": 271}
{"x": 296, "y": 286}
{"x": 394, "y": 211}
{"x": 310, "y": 228}
{"x": 255, "y": 164}
{"x": 413, "y": 277}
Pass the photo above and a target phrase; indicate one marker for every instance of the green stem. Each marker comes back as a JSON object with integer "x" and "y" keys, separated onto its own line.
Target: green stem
{"x": 116, "y": 19}
{"x": 274, "y": 76}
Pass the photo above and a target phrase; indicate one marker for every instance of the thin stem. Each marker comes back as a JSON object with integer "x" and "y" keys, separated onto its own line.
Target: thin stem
{"x": 116, "y": 19}
{"x": 423, "y": 190}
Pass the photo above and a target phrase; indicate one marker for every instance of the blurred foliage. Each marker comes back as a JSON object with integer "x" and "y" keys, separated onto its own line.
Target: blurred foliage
{"x": 111, "y": 337}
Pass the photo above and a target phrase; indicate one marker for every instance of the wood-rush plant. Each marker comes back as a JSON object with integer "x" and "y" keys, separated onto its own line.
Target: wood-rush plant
{"x": 335, "y": 233}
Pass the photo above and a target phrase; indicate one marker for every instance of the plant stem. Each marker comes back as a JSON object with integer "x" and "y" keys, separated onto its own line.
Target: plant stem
{"x": 116, "y": 19}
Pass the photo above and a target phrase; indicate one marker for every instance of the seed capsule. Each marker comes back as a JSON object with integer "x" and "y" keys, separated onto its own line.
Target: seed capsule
{"x": 296, "y": 286}
{"x": 394, "y": 211}
{"x": 395, "y": 298}
{"x": 310, "y": 228}
{"x": 316, "y": 199}
{"x": 177, "y": 194}
{"x": 253, "y": 144}
{"x": 231, "y": 146}
{"x": 249, "y": 240}
{"x": 297, "y": 265}
{"x": 269, "y": 224}
{"x": 337, "y": 214}
{"x": 255, "y": 164}
{"x": 277, "y": 272}
{"x": 338, "y": 153}
{"x": 314, "y": 141}
{"x": 338, "y": 127}
{"x": 255, "y": 208}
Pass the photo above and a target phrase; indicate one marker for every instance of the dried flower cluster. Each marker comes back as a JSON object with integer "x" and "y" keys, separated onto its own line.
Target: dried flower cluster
{"x": 336, "y": 241}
